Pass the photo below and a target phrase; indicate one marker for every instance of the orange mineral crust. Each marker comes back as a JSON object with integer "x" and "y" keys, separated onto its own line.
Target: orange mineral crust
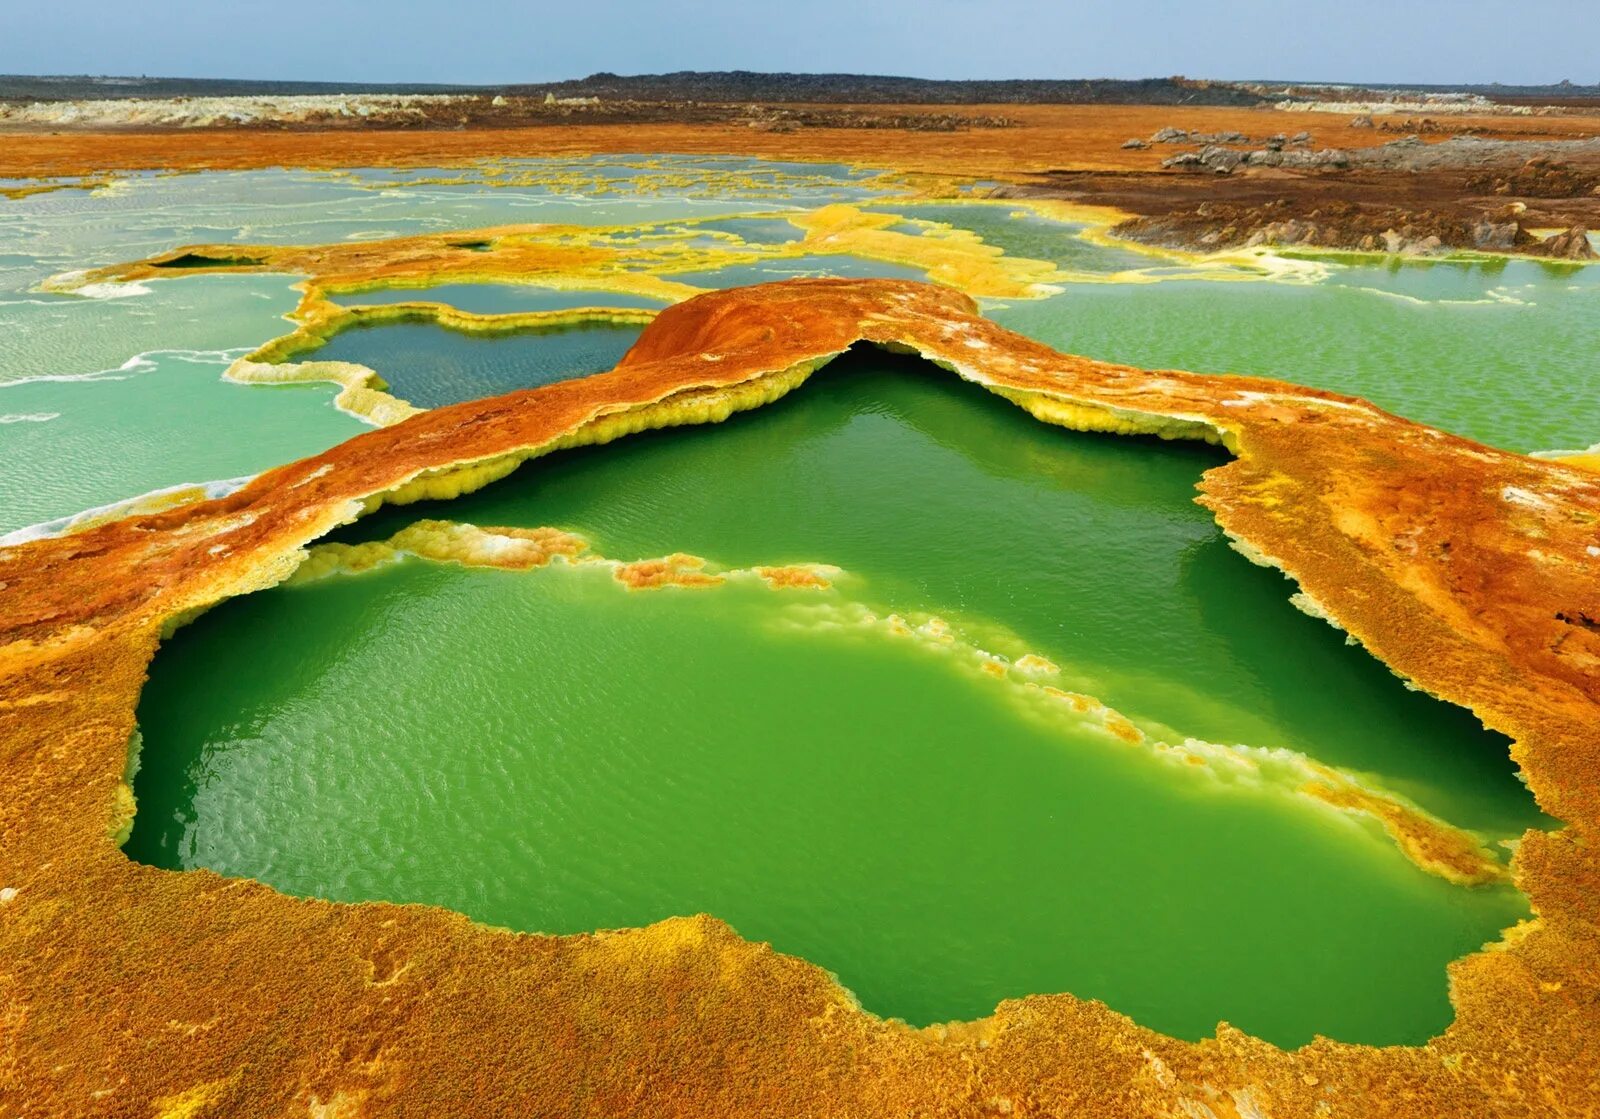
{"x": 131, "y": 991}
{"x": 1043, "y": 138}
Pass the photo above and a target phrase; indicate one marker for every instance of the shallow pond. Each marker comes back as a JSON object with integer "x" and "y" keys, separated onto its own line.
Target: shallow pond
{"x": 432, "y": 365}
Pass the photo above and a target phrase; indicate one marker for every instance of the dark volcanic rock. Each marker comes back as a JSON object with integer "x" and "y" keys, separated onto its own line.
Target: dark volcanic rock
{"x": 744, "y": 85}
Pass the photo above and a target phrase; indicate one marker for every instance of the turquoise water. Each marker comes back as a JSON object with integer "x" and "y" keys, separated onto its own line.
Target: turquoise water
{"x": 48, "y": 335}
{"x": 1509, "y": 355}
{"x": 431, "y": 365}
{"x": 150, "y": 213}
{"x": 67, "y": 446}
{"x": 764, "y": 231}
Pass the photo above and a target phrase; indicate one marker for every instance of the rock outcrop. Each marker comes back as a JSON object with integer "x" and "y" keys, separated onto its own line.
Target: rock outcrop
{"x": 1216, "y": 226}
{"x": 1573, "y": 244}
{"x": 1541, "y": 173}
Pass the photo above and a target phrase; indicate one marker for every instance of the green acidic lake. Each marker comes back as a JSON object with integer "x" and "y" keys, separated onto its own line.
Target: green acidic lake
{"x": 1502, "y": 351}
{"x": 550, "y": 752}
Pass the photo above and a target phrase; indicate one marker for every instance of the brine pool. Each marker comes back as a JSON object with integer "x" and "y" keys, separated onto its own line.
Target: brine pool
{"x": 834, "y": 770}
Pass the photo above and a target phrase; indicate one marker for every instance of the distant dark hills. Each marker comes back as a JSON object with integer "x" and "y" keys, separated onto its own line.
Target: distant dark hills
{"x": 746, "y": 85}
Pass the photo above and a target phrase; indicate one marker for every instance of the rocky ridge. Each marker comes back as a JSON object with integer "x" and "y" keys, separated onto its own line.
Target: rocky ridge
{"x": 1346, "y": 225}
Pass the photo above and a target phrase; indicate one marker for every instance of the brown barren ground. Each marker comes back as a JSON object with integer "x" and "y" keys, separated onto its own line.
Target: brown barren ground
{"x": 131, "y": 991}
{"x": 1071, "y": 152}
{"x": 1046, "y": 138}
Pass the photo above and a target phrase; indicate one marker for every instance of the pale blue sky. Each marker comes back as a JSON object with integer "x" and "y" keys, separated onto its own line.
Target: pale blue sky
{"x": 490, "y": 41}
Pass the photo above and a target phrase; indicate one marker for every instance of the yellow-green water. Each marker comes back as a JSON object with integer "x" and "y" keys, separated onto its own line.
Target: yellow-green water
{"x": 549, "y": 751}
{"x": 1504, "y": 352}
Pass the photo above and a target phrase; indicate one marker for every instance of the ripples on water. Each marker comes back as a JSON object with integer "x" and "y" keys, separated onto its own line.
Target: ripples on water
{"x": 431, "y": 365}
{"x": 1503, "y": 354}
{"x": 547, "y": 751}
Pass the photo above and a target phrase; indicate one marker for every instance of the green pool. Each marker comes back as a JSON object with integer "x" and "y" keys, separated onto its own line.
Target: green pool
{"x": 549, "y": 751}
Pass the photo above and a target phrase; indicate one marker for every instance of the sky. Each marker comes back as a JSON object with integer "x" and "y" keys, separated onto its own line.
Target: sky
{"x": 506, "y": 41}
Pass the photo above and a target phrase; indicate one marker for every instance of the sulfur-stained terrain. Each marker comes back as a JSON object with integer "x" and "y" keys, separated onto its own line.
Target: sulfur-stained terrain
{"x": 1201, "y": 167}
{"x": 131, "y": 990}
